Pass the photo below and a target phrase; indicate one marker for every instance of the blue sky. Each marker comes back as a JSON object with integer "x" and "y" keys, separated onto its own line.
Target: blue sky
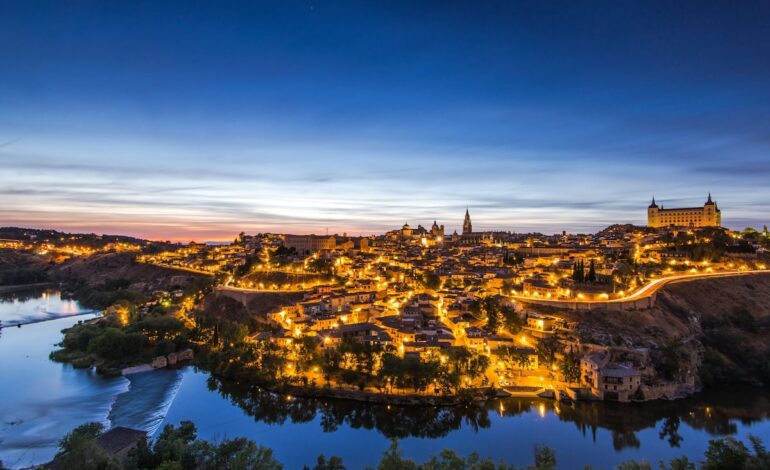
{"x": 197, "y": 120}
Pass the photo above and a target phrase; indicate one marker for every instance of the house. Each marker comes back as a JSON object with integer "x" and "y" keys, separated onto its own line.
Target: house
{"x": 541, "y": 322}
{"x": 119, "y": 441}
{"x": 607, "y": 380}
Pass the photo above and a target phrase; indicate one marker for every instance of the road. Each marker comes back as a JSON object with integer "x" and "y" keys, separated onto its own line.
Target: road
{"x": 179, "y": 268}
{"x": 251, "y": 290}
{"x": 652, "y": 287}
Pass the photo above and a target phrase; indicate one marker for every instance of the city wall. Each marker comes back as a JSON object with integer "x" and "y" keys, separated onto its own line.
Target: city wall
{"x": 617, "y": 305}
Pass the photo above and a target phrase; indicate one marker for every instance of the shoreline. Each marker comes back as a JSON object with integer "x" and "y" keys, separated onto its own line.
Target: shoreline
{"x": 18, "y": 287}
{"x": 16, "y": 324}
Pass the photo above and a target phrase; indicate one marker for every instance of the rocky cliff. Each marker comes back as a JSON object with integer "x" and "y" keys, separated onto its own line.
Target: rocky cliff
{"x": 714, "y": 331}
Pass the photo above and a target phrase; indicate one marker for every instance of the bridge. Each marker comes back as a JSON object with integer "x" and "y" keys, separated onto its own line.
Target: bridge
{"x": 641, "y": 298}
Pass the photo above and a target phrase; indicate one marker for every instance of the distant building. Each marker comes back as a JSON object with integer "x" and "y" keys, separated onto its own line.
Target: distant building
{"x": 707, "y": 216}
{"x": 406, "y": 231}
{"x": 467, "y": 226}
{"x": 437, "y": 232}
{"x": 306, "y": 244}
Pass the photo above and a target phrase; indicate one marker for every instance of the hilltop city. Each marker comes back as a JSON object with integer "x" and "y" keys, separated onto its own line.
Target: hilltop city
{"x": 416, "y": 311}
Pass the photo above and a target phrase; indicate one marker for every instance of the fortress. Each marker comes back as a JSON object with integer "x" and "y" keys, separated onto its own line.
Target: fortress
{"x": 707, "y": 216}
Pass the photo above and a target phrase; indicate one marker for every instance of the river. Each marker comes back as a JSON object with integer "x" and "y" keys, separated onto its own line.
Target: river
{"x": 42, "y": 400}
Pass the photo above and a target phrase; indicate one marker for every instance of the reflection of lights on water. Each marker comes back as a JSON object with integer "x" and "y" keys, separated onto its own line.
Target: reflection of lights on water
{"x": 541, "y": 410}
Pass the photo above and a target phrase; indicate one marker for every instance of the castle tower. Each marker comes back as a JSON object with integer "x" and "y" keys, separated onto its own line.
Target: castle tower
{"x": 467, "y": 227}
{"x": 712, "y": 216}
{"x": 652, "y": 214}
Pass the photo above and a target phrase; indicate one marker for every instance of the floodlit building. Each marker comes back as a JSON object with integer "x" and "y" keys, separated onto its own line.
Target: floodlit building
{"x": 306, "y": 244}
{"x": 707, "y": 216}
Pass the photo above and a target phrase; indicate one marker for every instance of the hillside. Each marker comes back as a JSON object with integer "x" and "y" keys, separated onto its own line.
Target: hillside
{"x": 719, "y": 327}
{"x": 100, "y": 268}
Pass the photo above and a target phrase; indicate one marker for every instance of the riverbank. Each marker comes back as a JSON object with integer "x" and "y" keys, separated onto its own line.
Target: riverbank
{"x": 45, "y": 399}
{"x": 53, "y": 316}
{"x": 22, "y": 287}
{"x": 402, "y": 399}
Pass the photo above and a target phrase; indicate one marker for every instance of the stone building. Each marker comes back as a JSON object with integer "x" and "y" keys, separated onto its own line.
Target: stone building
{"x": 307, "y": 244}
{"x": 707, "y": 216}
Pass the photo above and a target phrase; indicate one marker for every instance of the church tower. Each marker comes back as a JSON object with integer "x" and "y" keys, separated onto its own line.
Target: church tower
{"x": 467, "y": 227}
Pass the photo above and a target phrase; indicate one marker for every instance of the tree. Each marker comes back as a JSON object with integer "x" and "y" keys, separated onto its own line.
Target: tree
{"x": 680, "y": 463}
{"x": 78, "y": 449}
{"x": 431, "y": 281}
{"x": 545, "y": 458}
{"x": 334, "y": 463}
{"x": 592, "y": 272}
{"x": 725, "y": 453}
{"x": 547, "y": 349}
{"x": 570, "y": 367}
{"x": 490, "y": 309}
{"x": 241, "y": 454}
{"x": 393, "y": 459}
{"x": 634, "y": 465}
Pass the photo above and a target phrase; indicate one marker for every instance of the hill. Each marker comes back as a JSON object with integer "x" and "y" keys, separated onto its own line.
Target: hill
{"x": 718, "y": 327}
{"x": 106, "y": 267}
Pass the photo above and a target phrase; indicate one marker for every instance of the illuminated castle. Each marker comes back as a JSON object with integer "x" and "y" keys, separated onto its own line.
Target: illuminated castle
{"x": 707, "y": 216}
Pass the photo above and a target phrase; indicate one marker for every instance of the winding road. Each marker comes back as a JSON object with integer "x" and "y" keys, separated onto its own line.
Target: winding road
{"x": 645, "y": 292}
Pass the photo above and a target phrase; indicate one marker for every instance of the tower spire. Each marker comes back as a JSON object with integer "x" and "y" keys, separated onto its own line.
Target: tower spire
{"x": 467, "y": 226}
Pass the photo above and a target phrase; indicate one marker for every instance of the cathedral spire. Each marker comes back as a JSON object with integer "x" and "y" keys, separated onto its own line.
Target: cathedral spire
{"x": 467, "y": 226}
{"x": 653, "y": 205}
{"x": 709, "y": 199}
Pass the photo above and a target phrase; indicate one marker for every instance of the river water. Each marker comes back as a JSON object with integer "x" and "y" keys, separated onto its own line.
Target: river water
{"x": 42, "y": 400}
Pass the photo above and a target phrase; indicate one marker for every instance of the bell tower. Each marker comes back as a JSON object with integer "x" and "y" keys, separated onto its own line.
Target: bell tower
{"x": 467, "y": 226}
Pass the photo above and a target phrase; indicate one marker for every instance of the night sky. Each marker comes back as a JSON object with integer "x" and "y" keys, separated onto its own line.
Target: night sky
{"x": 198, "y": 120}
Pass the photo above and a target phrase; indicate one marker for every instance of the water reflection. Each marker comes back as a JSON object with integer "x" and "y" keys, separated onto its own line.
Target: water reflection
{"x": 35, "y": 305}
{"x": 714, "y": 413}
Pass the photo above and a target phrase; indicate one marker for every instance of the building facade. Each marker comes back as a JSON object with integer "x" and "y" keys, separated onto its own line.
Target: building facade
{"x": 307, "y": 244}
{"x": 707, "y": 216}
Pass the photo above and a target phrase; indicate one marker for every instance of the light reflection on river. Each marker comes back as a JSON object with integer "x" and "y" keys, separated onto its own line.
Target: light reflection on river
{"x": 42, "y": 400}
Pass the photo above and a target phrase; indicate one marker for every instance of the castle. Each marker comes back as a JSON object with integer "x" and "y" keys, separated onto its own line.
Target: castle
{"x": 707, "y": 216}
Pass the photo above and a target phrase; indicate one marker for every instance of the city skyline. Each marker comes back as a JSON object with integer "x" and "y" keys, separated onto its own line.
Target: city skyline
{"x": 171, "y": 121}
